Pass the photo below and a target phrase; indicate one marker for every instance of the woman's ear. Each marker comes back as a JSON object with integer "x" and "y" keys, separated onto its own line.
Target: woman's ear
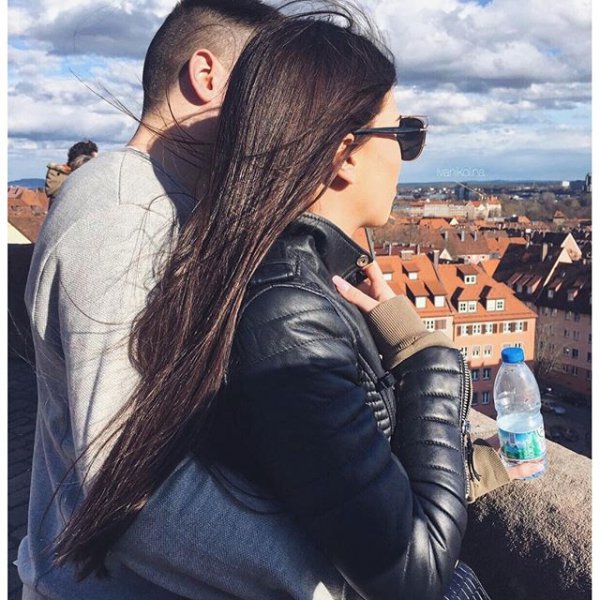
{"x": 207, "y": 75}
{"x": 347, "y": 160}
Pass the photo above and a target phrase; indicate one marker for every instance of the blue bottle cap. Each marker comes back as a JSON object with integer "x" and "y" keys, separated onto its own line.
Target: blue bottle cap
{"x": 513, "y": 355}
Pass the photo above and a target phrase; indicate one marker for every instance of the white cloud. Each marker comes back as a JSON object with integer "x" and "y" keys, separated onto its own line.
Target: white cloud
{"x": 504, "y": 43}
{"x": 508, "y": 82}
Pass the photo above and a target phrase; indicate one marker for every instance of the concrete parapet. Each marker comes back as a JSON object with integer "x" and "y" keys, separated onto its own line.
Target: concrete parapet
{"x": 533, "y": 540}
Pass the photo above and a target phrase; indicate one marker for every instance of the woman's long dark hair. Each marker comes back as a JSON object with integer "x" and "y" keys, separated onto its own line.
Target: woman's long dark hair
{"x": 298, "y": 88}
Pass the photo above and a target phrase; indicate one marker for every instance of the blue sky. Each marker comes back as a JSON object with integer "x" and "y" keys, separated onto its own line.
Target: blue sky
{"x": 505, "y": 83}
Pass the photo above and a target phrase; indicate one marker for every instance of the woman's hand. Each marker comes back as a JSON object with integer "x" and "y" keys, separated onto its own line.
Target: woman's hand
{"x": 374, "y": 290}
{"x": 520, "y": 471}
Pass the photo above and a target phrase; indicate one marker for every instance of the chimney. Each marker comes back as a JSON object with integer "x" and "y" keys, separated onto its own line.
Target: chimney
{"x": 445, "y": 234}
{"x": 544, "y": 251}
{"x": 436, "y": 259}
{"x": 462, "y": 235}
{"x": 475, "y": 236}
{"x": 418, "y": 251}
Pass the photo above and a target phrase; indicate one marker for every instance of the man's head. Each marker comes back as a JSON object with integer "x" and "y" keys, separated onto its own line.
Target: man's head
{"x": 195, "y": 48}
{"x": 86, "y": 147}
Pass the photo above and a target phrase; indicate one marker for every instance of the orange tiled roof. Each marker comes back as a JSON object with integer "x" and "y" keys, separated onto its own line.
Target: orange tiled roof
{"x": 27, "y": 211}
{"x": 436, "y": 287}
{"x": 434, "y": 223}
{"x": 417, "y": 288}
{"x": 410, "y": 267}
{"x": 468, "y": 269}
{"x": 489, "y": 265}
{"x": 427, "y": 277}
{"x": 486, "y": 287}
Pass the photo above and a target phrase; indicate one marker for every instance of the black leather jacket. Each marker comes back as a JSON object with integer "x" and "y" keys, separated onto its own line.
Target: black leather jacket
{"x": 371, "y": 463}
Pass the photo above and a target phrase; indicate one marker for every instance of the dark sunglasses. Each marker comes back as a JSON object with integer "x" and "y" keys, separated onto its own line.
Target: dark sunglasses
{"x": 410, "y": 133}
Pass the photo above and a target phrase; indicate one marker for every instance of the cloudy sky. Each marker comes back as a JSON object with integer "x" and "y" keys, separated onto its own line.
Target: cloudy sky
{"x": 505, "y": 83}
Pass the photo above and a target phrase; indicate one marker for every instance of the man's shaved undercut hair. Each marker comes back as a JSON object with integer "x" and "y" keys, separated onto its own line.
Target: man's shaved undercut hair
{"x": 220, "y": 26}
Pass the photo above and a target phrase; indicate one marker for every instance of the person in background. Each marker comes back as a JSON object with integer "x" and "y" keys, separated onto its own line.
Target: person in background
{"x": 56, "y": 174}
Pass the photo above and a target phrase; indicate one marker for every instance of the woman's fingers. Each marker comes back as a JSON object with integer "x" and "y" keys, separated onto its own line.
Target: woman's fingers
{"x": 354, "y": 295}
{"x": 380, "y": 288}
{"x": 525, "y": 470}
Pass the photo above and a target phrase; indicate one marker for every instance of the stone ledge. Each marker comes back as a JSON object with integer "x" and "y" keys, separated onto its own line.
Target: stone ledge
{"x": 531, "y": 540}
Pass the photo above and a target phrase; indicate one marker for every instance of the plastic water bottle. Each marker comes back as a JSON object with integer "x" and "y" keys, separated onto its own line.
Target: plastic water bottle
{"x": 520, "y": 422}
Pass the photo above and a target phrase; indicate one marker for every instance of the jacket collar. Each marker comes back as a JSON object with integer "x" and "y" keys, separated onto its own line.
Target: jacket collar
{"x": 341, "y": 254}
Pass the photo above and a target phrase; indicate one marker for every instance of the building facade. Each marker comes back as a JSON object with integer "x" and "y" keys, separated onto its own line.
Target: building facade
{"x": 481, "y": 315}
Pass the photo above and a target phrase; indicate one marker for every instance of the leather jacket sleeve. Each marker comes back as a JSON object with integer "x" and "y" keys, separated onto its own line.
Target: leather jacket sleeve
{"x": 392, "y": 525}
{"x": 399, "y": 333}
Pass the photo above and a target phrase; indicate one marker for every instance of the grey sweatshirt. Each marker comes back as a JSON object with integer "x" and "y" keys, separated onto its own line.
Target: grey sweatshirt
{"x": 95, "y": 260}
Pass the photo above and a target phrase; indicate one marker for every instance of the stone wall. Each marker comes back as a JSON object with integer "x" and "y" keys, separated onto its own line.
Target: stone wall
{"x": 20, "y": 344}
{"x": 533, "y": 540}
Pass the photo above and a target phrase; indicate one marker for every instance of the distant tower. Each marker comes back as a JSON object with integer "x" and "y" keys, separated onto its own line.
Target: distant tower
{"x": 588, "y": 184}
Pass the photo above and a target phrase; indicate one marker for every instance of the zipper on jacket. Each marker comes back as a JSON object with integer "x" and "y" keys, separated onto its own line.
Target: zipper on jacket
{"x": 465, "y": 426}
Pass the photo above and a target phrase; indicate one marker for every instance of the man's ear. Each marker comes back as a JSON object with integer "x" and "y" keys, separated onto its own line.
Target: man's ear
{"x": 207, "y": 75}
{"x": 347, "y": 161}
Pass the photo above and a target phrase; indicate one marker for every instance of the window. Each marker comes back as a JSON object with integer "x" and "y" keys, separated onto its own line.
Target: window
{"x": 475, "y": 400}
{"x": 476, "y": 328}
{"x": 519, "y": 288}
{"x": 429, "y": 324}
{"x": 518, "y": 344}
{"x": 490, "y": 305}
{"x": 574, "y": 371}
{"x": 567, "y": 351}
{"x": 476, "y": 351}
{"x": 472, "y": 305}
{"x": 475, "y": 374}
{"x": 519, "y": 326}
{"x": 388, "y": 276}
{"x": 420, "y": 302}
{"x": 463, "y": 351}
{"x": 499, "y": 304}
{"x": 569, "y": 315}
{"x": 554, "y": 312}
{"x": 440, "y": 324}
{"x": 566, "y": 333}
{"x": 463, "y": 330}
{"x": 530, "y": 289}
{"x": 439, "y": 302}
{"x": 485, "y": 397}
{"x": 506, "y": 327}
{"x": 575, "y": 353}
{"x": 470, "y": 279}
{"x": 576, "y": 317}
{"x": 550, "y": 293}
{"x": 589, "y": 357}
{"x": 487, "y": 350}
{"x": 489, "y": 328}
{"x": 462, "y": 307}
{"x": 565, "y": 368}
{"x": 575, "y": 335}
{"x": 413, "y": 275}
{"x": 487, "y": 373}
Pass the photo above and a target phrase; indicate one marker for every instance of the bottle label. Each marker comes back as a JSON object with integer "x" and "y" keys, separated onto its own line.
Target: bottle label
{"x": 530, "y": 445}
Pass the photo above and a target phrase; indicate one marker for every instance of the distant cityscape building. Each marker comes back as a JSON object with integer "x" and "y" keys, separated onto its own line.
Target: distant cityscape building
{"x": 27, "y": 210}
